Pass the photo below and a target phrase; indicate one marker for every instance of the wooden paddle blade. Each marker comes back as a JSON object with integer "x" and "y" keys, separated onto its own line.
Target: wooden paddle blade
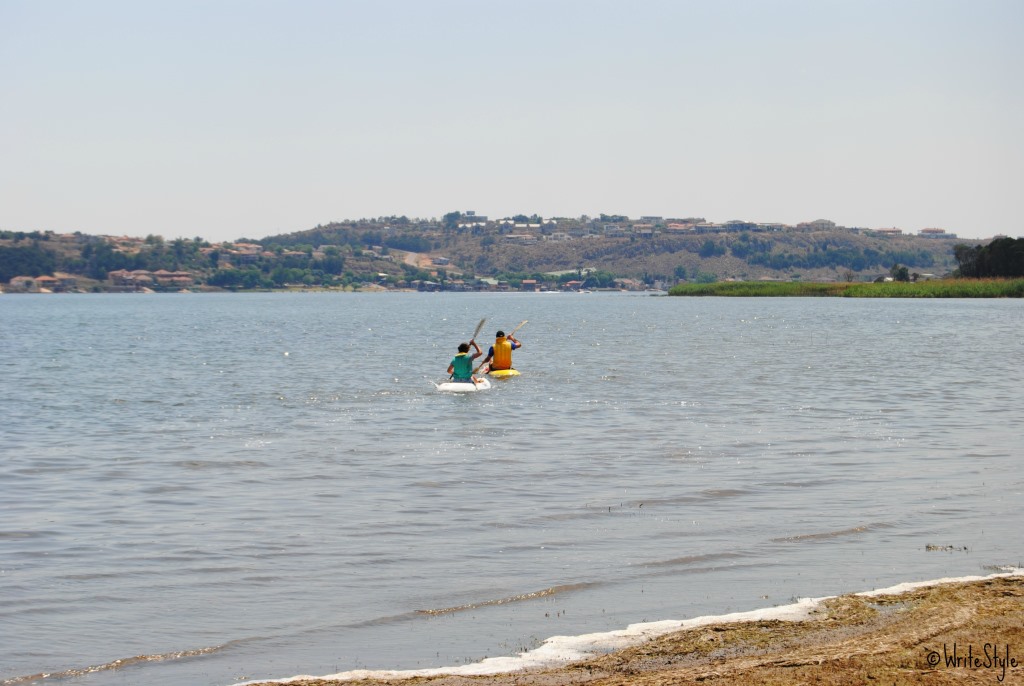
{"x": 478, "y": 327}
{"x": 518, "y": 327}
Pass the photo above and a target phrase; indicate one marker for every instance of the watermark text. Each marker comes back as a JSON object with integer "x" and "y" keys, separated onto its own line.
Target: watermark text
{"x": 992, "y": 656}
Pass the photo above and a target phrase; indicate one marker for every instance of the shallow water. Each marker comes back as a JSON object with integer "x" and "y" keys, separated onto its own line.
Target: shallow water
{"x": 236, "y": 487}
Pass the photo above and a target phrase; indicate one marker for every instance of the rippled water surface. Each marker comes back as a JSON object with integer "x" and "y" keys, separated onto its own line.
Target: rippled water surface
{"x": 213, "y": 488}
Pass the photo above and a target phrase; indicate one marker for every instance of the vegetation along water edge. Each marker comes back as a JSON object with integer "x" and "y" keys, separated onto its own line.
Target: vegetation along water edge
{"x": 944, "y": 288}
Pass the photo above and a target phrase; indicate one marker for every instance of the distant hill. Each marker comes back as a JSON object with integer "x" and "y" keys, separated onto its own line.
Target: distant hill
{"x": 827, "y": 255}
{"x": 787, "y": 254}
{"x": 397, "y": 252}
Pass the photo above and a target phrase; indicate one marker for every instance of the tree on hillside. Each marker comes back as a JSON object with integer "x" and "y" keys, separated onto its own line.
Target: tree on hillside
{"x": 1003, "y": 257}
{"x": 711, "y": 249}
{"x": 899, "y": 272}
{"x": 100, "y": 258}
{"x": 332, "y": 263}
{"x": 450, "y": 221}
{"x": 599, "y": 279}
{"x": 967, "y": 258}
{"x": 27, "y": 261}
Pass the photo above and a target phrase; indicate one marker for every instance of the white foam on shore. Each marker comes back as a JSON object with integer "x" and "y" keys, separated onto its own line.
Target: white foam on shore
{"x": 562, "y": 650}
{"x": 913, "y": 585}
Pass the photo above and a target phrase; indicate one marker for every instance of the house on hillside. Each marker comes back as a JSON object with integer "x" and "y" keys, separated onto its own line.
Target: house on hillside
{"x": 817, "y": 225}
{"x": 46, "y": 284}
{"x": 60, "y": 283}
{"x": 558, "y": 236}
{"x": 578, "y": 231}
{"x": 140, "y": 278}
{"x": 643, "y": 230}
{"x": 173, "y": 279}
{"x": 23, "y": 284}
{"x": 935, "y": 233}
{"x": 614, "y": 231}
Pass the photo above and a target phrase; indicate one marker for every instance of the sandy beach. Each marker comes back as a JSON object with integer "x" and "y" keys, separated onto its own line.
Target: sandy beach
{"x": 947, "y": 632}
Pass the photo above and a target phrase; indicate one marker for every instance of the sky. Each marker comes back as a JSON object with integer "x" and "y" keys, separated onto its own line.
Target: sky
{"x": 225, "y": 119}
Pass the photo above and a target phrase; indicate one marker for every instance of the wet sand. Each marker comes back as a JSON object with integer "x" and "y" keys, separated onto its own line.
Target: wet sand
{"x": 963, "y": 632}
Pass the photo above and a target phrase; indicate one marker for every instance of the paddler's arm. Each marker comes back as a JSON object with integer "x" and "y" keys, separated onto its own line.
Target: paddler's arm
{"x": 479, "y": 352}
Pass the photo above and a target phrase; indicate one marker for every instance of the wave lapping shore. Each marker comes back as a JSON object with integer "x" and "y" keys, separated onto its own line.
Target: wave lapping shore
{"x": 946, "y": 630}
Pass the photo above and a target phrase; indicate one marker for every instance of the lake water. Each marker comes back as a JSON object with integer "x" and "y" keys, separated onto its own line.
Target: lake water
{"x": 214, "y": 488}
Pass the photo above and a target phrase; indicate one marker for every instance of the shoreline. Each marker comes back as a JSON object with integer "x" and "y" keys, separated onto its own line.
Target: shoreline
{"x": 933, "y": 288}
{"x": 945, "y": 631}
{"x": 978, "y": 289}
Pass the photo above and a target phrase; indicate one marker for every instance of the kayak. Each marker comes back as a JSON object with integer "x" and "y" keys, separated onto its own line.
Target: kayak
{"x": 463, "y": 387}
{"x": 501, "y": 373}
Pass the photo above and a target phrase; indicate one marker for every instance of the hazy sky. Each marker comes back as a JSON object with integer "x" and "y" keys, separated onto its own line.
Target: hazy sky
{"x": 228, "y": 119}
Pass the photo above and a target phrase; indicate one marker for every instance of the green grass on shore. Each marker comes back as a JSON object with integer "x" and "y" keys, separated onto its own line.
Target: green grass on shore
{"x": 946, "y": 288}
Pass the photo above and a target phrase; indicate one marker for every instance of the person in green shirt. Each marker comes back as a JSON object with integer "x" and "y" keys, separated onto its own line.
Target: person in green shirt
{"x": 461, "y": 367}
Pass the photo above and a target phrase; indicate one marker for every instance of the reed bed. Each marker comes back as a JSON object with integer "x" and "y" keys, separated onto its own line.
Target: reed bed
{"x": 945, "y": 288}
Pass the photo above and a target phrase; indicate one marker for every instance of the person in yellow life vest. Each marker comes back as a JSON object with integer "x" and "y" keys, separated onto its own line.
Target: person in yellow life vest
{"x": 500, "y": 354}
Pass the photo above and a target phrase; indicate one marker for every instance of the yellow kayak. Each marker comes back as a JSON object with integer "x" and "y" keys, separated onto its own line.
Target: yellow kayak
{"x": 499, "y": 373}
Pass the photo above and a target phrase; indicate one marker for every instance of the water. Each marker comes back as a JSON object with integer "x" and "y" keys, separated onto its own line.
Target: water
{"x": 211, "y": 488}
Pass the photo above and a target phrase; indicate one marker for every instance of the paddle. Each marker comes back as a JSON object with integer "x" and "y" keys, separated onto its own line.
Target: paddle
{"x": 480, "y": 326}
{"x": 508, "y": 335}
{"x": 475, "y": 334}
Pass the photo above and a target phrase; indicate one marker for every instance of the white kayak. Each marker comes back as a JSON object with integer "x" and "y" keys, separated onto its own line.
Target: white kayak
{"x": 463, "y": 387}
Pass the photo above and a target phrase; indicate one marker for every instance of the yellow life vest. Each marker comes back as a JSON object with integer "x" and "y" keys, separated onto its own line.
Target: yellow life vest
{"x": 502, "y": 354}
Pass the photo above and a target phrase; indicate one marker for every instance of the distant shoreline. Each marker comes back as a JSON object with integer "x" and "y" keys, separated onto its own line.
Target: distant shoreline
{"x": 944, "y": 288}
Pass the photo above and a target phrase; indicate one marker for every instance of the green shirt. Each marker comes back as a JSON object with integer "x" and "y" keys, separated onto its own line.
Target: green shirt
{"x": 463, "y": 367}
